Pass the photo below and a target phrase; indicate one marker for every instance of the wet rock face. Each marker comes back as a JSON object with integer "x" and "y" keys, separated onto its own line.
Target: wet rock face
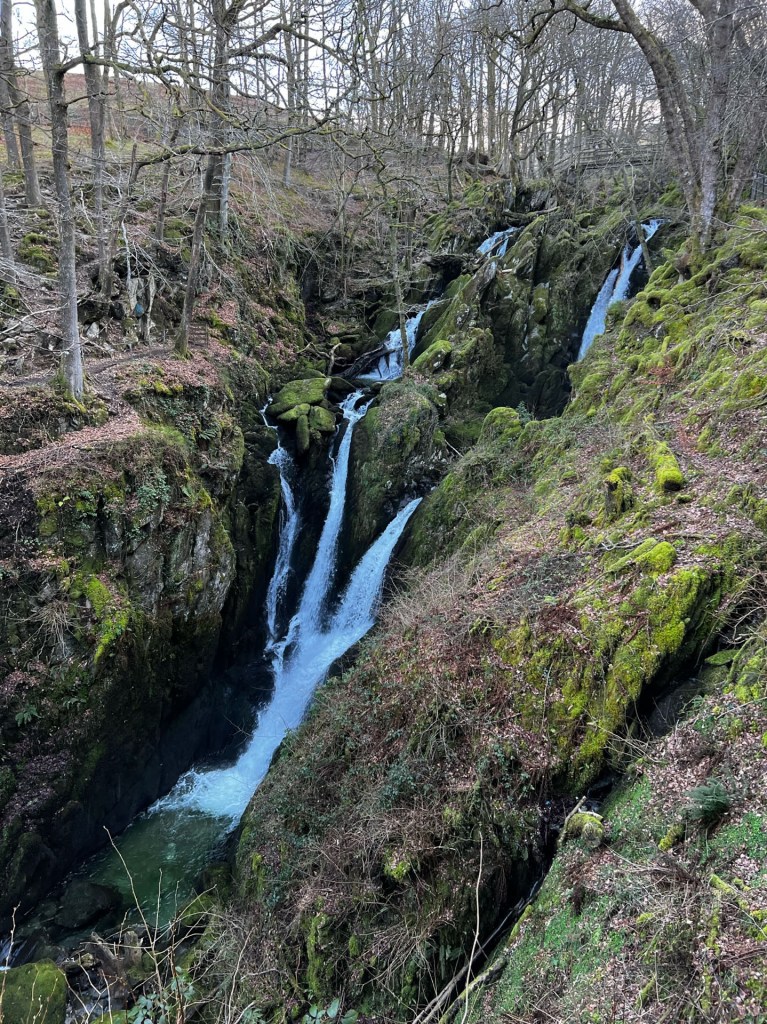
{"x": 118, "y": 578}
{"x": 84, "y": 903}
{"x": 398, "y": 452}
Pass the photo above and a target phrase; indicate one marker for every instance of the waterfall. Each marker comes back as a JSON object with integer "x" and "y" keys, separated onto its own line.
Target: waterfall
{"x": 289, "y": 522}
{"x": 615, "y": 288}
{"x": 179, "y": 834}
{"x": 226, "y": 792}
{"x": 320, "y": 579}
{"x": 497, "y": 244}
{"x": 389, "y": 366}
{"x": 303, "y": 657}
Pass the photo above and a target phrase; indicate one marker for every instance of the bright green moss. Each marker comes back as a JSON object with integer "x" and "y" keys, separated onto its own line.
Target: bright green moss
{"x": 501, "y": 426}
{"x": 309, "y": 391}
{"x": 33, "y": 994}
{"x": 303, "y": 437}
{"x": 322, "y": 420}
{"x": 436, "y": 356}
{"x": 668, "y": 475}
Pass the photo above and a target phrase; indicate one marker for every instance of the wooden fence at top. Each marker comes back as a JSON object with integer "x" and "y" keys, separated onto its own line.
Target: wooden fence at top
{"x": 759, "y": 188}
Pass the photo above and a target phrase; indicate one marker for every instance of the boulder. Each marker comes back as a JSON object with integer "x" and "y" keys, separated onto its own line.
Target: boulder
{"x": 85, "y": 902}
{"x": 33, "y": 994}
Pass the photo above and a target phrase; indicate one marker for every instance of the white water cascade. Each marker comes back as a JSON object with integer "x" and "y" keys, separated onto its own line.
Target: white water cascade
{"x": 390, "y": 364}
{"x": 615, "y": 288}
{"x": 312, "y": 643}
{"x": 498, "y": 243}
{"x": 177, "y": 837}
{"x": 289, "y": 523}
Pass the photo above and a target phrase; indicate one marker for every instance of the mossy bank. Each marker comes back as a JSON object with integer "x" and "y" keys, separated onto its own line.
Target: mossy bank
{"x": 571, "y": 570}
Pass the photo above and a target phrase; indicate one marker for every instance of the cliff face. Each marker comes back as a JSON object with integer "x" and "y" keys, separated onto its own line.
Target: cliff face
{"x": 573, "y": 570}
{"x": 126, "y": 540}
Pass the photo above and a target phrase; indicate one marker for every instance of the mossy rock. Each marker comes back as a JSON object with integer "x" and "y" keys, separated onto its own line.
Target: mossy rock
{"x": 33, "y": 994}
{"x": 295, "y": 413}
{"x": 303, "y": 435}
{"x": 307, "y": 391}
{"x": 434, "y": 358}
{"x": 668, "y": 475}
{"x": 501, "y": 426}
{"x": 322, "y": 420}
{"x": 585, "y": 825}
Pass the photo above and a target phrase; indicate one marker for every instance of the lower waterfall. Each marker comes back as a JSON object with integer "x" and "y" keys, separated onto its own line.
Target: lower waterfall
{"x": 155, "y": 861}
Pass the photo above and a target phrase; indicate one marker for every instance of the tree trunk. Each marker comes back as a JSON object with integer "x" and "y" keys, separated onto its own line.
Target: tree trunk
{"x": 6, "y": 247}
{"x": 48, "y": 34}
{"x": 193, "y": 272}
{"x": 6, "y": 63}
{"x": 98, "y": 153}
{"x": 20, "y": 103}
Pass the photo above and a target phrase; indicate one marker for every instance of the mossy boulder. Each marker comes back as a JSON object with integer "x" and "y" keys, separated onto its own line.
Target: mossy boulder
{"x": 322, "y": 420}
{"x": 33, "y": 994}
{"x": 397, "y": 453}
{"x": 501, "y": 426}
{"x": 585, "y": 825}
{"x": 308, "y": 391}
{"x": 435, "y": 358}
{"x": 668, "y": 475}
{"x": 294, "y": 413}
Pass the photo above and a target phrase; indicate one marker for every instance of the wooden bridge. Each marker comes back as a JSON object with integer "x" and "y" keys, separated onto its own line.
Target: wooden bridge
{"x": 590, "y": 154}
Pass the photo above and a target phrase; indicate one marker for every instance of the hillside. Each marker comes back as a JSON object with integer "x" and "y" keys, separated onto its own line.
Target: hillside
{"x": 582, "y": 570}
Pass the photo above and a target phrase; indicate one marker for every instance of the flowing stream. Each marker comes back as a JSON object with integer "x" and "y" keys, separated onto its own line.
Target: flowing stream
{"x": 498, "y": 243}
{"x": 155, "y": 861}
{"x": 615, "y": 288}
{"x": 390, "y": 364}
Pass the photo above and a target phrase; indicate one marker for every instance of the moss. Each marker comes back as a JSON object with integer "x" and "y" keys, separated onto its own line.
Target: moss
{"x": 309, "y": 391}
{"x": 34, "y": 249}
{"x": 501, "y": 426}
{"x": 303, "y": 436}
{"x": 619, "y": 496}
{"x": 294, "y": 413}
{"x": 668, "y": 475}
{"x": 33, "y": 994}
{"x": 322, "y": 420}
{"x": 319, "y": 969}
{"x": 435, "y": 358}
{"x": 674, "y": 835}
{"x": 585, "y": 825}
{"x": 651, "y": 556}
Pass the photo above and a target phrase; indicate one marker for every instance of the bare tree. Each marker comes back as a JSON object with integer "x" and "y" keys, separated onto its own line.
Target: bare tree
{"x": 50, "y": 55}
{"x": 20, "y": 104}
{"x": 695, "y": 119}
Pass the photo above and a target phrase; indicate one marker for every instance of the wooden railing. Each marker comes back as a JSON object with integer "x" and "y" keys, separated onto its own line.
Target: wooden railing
{"x": 759, "y": 188}
{"x": 598, "y": 157}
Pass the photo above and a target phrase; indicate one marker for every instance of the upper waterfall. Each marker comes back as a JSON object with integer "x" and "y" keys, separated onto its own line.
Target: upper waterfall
{"x": 615, "y": 288}
{"x": 391, "y": 363}
{"x": 497, "y": 244}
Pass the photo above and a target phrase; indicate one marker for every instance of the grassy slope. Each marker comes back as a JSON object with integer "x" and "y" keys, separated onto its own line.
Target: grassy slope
{"x": 582, "y": 562}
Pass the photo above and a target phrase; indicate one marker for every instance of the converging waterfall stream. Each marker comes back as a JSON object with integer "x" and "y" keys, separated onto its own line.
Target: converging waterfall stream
{"x": 391, "y": 363}
{"x": 615, "y": 288}
{"x": 497, "y": 244}
{"x": 156, "y": 860}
